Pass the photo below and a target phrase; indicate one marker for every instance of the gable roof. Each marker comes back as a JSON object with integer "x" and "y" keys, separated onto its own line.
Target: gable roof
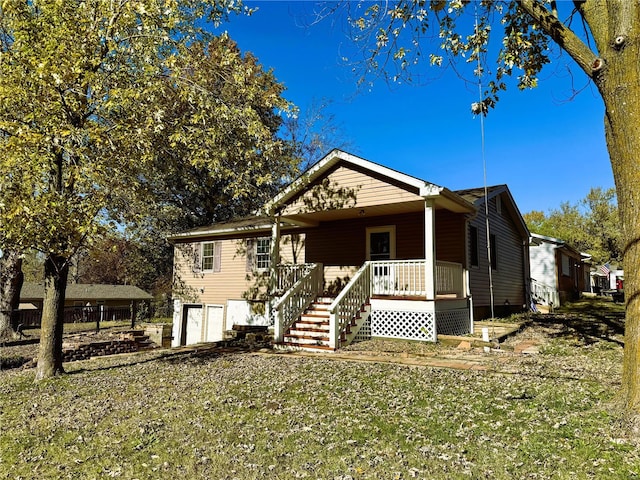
{"x": 89, "y": 291}
{"x": 336, "y": 157}
{"x": 537, "y": 239}
{"x": 477, "y": 197}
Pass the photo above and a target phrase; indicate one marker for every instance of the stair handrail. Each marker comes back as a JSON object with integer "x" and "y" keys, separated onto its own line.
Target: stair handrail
{"x": 289, "y": 307}
{"x": 348, "y": 302}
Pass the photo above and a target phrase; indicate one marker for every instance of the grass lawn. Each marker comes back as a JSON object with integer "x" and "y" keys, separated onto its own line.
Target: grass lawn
{"x": 245, "y": 416}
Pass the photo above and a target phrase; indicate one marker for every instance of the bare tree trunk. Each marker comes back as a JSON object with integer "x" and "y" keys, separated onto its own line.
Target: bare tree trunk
{"x": 56, "y": 271}
{"x": 617, "y": 33}
{"x": 622, "y": 122}
{"x": 11, "y": 280}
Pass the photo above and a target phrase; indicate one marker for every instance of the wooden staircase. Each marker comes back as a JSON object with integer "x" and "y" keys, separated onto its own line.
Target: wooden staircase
{"x": 311, "y": 331}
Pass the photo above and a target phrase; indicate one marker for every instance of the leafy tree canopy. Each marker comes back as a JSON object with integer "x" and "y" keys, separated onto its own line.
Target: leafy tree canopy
{"x": 96, "y": 96}
{"x": 592, "y": 225}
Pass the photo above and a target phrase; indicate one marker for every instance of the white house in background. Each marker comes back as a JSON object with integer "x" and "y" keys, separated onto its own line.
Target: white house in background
{"x": 559, "y": 272}
{"x": 607, "y": 277}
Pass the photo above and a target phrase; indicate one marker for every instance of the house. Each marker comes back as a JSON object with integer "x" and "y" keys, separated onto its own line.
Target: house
{"x": 82, "y": 295}
{"x": 607, "y": 279}
{"x": 559, "y": 272}
{"x": 84, "y": 302}
{"x": 502, "y": 263}
{"x": 352, "y": 250}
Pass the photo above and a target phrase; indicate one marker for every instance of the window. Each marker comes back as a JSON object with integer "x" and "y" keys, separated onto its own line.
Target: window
{"x": 211, "y": 256}
{"x": 263, "y": 253}
{"x": 494, "y": 252}
{"x": 473, "y": 246}
{"x": 381, "y": 243}
{"x": 499, "y": 205}
{"x": 565, "y": 265}
{"x": 258, "y": 254}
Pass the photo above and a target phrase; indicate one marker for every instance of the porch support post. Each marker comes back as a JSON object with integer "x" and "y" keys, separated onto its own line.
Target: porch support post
{"x": 273, "y": 278}
{"x": 430, "y": 249}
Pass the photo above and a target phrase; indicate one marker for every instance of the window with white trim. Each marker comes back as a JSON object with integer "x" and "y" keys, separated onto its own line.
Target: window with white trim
{"x": 263, "y": 253}
{"x": 211, "y": 256}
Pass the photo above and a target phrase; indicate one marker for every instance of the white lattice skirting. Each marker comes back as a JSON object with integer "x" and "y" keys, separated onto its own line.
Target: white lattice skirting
{"x": 397, "y": 324}
{"x": 453, "y": 322}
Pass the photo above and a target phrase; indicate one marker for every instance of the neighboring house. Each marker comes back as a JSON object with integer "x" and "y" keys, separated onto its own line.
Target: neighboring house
{"x": 83, "y": 295}
{"x": 85, "y": 303}
{"x": 559, "y": 272}
{"x": 607, "y": 278}
{"x": 352, "y": 249}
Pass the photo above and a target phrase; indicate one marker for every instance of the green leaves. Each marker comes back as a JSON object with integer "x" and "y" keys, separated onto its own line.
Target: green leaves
{"x": 393, "y": 40}
{"x": 101, "y": 99}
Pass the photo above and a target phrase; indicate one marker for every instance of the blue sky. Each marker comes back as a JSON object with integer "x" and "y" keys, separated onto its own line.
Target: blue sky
{"x": 546, "y": 147}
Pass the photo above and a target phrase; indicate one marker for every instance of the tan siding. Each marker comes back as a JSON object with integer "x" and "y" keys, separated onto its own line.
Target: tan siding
{"x": 508, "y": 278}
{"x": 229, "y": 283}
{"x": 369, "y": 190}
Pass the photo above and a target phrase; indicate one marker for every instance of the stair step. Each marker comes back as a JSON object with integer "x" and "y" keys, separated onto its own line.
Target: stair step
{"x": 306, "y": 340}
{"x": 312, "y": 327}
{"x": 312, "y": 321}
{"x": 324, "y": 300}
{"x": 308, "y": 333}
{"x": 307, "y": 348}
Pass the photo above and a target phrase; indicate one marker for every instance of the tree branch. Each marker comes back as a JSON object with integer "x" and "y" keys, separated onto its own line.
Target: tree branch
{"x": 564, "y": 37}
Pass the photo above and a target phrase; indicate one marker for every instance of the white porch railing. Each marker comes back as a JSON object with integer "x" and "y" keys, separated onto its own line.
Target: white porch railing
{"x": 407, "y": 278}
{"x": 288, "y": 274}
{"x": 450, "y": 279}
{"x": 348, "y": 303}
{"x": 288, "y": 308}
{"x": 544, "y": 294}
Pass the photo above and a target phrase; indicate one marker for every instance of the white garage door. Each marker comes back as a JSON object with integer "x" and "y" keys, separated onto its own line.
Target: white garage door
{"x": 194, "y": 324}
{"x": 215, "y": 323}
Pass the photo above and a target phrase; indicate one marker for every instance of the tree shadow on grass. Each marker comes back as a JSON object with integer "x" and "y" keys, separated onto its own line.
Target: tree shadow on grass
{"x": 588, "y": 321}
{"x": 174, "y": 357}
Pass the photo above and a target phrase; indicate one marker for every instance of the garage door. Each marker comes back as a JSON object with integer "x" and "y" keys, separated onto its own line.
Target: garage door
{"x": 215, "y": 323}
{"x": 192, "y": 324}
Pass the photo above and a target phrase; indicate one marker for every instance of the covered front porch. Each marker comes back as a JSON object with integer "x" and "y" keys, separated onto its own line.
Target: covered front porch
{"x": 384, "y": 299}
{"x": 385, "y": 255}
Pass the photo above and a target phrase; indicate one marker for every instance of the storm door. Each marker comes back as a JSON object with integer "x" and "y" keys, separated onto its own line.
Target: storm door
{"x": 381, "y": 247}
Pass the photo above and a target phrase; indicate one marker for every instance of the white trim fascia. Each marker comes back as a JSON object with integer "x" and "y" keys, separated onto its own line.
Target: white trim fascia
{"x": 224, "y": 231}
{"x": 233, "y": 230}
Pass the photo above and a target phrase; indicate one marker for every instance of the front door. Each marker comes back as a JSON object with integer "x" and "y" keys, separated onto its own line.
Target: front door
{"x": 381, "y": 246}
